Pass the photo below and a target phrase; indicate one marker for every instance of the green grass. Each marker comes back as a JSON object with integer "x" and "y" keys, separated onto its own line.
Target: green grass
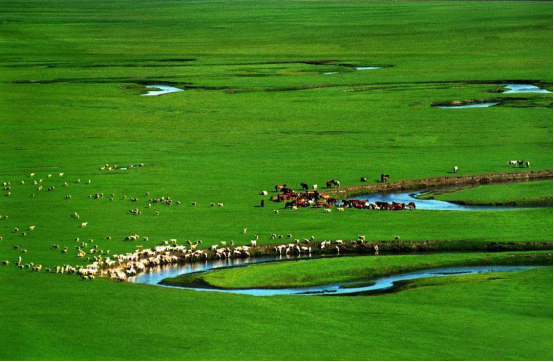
{"x": 327, "y": 271}
{"x": 74, "y": 319}
{"x": 537, "y": 193}
{"x": 257, "y": 114}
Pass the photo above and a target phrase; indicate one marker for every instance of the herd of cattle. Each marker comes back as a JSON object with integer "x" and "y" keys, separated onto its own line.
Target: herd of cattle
{"x": 378, "y": 205}
{"x": 315, "y": 199}
{"x": 519, "y": 163}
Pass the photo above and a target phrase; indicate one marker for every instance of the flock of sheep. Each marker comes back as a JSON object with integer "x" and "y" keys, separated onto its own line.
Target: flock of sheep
{"x": 121, "y": 266}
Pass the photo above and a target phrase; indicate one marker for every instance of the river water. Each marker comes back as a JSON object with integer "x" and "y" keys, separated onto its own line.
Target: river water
{"x": 155, "y": 275}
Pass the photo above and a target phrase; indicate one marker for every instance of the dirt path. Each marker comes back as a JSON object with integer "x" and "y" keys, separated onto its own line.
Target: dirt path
{"x": 482, "y": 179}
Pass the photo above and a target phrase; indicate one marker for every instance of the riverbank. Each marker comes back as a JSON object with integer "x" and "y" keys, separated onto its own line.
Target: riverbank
{"x": 529, "y": 194}
{"x": 432, "y": 182}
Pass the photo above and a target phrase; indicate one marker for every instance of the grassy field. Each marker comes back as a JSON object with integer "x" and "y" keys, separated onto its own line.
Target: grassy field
{"x": 257, "y": 110}
{"x": 508, "y": 316}
{"x": 326, "y": 271}
{"x": 530, "y": 193}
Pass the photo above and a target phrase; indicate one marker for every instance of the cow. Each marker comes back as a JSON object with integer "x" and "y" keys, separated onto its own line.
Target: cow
{"x": 512, "y": 163}
{"x": 520, "y": 163}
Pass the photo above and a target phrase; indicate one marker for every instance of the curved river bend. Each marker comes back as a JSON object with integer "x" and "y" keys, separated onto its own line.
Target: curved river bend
{"x": 156, "y": 275}
{"x": 425, "y": 204}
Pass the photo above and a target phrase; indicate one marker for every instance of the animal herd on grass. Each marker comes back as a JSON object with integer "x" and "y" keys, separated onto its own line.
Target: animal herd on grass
{"x": 122, "y": 266}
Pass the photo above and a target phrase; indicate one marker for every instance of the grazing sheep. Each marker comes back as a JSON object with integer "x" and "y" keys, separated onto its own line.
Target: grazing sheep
{"x": 340, "y": 209}
{"x": 244, "y": 230}
{"x": 68, "y": 197}
{"x": 528, "y": 164}
{"x": 327, "y": 211}
{"x": 264, "y": 193}
{"x": 455, "y": 169}
{"x": 32, "y": 227}
{"x": 276, "y": 211}
{"x": 253, "y": 243}
{"x": 220, "y": 204}
{"x": 84, "y": 224}
{"x": 194, "y": 203}
{"x": 396, "y": 237}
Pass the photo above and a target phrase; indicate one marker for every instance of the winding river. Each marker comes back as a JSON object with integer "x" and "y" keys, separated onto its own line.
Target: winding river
{"x": 156, "y": 275}
{"x": 423, "y": 204}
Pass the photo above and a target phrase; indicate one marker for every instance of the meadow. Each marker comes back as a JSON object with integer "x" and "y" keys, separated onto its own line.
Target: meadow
{"x": 258, "y": 110}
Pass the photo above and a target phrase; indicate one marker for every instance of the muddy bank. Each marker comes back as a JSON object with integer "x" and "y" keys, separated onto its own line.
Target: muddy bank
{"x": 540, "y": 202}
{"x": 426, "y": 183}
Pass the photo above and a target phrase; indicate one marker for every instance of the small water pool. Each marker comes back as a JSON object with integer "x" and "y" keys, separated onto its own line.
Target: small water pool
{"x": 476, "y": 105}
{"x": 524, "y": 88}
{"x": 161, "y": 89}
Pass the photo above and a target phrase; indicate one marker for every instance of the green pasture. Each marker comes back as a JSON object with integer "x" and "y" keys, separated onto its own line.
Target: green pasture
{"x": 258, "y": 110}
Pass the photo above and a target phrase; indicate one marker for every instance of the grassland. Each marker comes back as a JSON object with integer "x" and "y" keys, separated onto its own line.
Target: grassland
{"x": 61, "y": 317}
{"x": 326, "y": 271}
{"x": 258, "y": 111}
{"x": 526, "y": 194}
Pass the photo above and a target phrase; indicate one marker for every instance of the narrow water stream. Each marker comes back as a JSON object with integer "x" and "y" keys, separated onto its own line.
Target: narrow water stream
{"x": 156, "y": 275}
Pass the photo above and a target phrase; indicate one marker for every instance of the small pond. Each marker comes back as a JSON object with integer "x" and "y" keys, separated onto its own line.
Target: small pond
{"x": 161, "y": 89}
{"x": 524, "y": 88}
{"x": 476, "y": 105}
